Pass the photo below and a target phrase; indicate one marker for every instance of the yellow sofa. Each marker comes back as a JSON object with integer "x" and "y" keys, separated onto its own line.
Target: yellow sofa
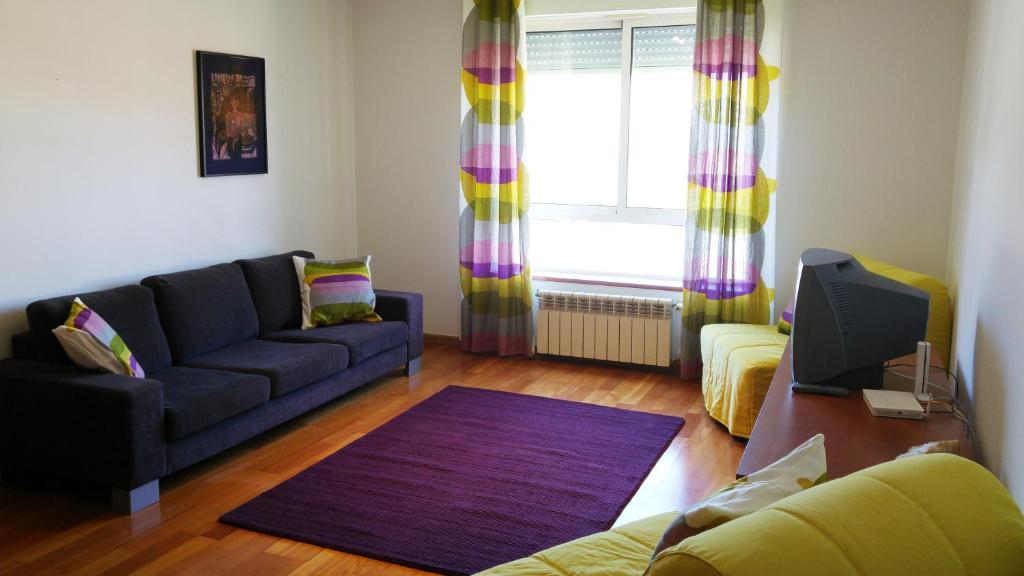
{"x": 935, "y": 515}
{"x": 740, "y": 359}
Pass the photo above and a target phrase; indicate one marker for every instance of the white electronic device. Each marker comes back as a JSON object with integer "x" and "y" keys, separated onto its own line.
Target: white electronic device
{"x": 893, "y": 404}
{"x": 921, "y": 368}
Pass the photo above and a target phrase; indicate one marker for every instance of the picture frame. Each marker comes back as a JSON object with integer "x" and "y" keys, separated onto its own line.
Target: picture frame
{"x": 232, "y": 102}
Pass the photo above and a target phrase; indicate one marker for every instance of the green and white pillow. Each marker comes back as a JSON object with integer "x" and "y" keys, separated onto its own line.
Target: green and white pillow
{"x": 91, "y": 343}
{"x": 335, "y": 291}
{"x": 801, "y": 469}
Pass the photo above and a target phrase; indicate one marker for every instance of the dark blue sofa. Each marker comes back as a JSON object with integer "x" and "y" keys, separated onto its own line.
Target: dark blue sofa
{"x": 225, "y": 359}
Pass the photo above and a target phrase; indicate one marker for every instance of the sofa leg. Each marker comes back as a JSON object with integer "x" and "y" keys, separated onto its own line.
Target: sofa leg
{"x": 131, "y": 501}
{"x": 412, "y": 367}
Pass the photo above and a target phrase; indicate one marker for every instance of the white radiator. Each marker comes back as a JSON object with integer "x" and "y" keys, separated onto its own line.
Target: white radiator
{"x": 604, "y": 327}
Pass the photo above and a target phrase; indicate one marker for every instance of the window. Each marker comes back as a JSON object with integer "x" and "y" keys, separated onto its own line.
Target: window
{"x": 608, "y": 115}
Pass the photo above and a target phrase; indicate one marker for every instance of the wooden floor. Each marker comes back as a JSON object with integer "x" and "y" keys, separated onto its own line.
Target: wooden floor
{"x": 67, "y": 529}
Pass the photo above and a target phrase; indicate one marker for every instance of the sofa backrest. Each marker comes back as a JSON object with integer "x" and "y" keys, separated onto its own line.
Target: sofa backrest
{"x": 933, "y": 514}
{"x": 23, "y": 346}
{"x": 204, "y": 310}
{"x": 274, "y": 287}
{"x": 130, "y": 311}
{"x": 940, "y": 307}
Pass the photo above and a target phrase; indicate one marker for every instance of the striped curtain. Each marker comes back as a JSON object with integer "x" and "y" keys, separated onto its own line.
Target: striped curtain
{"x": 729, "y": 196}
{"x": 497, "y": 311}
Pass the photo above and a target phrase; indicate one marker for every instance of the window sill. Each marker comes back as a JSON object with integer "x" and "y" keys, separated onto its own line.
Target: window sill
{"x": 617, "y": 281}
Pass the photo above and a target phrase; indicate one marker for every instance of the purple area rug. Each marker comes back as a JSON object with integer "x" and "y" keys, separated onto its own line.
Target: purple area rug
{"x": 468, "y": 479}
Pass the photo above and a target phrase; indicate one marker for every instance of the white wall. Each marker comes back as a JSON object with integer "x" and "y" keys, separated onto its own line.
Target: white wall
{"x": 407, "y": 65}
{"x": 870, "y": 108}
{"x": 98, "y": 160}
{"x": 986, "y": 247}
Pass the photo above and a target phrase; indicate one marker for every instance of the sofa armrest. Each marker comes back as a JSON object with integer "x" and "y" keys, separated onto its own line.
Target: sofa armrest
{"x": 94, "y": 426}
{"x": 407, "y": 307}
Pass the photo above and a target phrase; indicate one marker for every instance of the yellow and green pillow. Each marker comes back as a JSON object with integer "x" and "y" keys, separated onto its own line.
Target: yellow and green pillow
{"x": 335, "y": 291}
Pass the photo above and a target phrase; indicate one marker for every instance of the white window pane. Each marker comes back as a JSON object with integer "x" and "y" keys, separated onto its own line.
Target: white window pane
{"x": 659, "y": 121}
{"x": 574, "y": 90}
{"x": 607, "y": 249}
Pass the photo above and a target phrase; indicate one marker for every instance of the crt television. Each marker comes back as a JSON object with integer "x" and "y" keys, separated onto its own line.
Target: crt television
{"x": 848, "y": 321}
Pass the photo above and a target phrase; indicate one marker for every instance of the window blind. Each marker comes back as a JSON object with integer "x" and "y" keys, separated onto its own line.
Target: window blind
{"x": 578, "y": 49}
{"x": 653, "y": 46}
{"x": 663, "y": 46}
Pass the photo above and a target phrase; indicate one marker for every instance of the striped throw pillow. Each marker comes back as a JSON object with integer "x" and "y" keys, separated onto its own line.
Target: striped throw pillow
{"x": 91, "y": 343}
{"x": 335, "y": 291}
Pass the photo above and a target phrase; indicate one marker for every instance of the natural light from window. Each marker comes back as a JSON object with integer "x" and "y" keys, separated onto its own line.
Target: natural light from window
{"x": 607, "y": 149}
{"x": 659, "y": 119}
{"x": 574, "y": 119}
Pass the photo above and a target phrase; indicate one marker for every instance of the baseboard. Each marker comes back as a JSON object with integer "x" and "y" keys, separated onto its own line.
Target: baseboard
{"x": 440, "y": 338}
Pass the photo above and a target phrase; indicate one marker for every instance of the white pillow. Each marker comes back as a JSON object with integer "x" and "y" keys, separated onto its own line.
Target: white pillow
{"x": 801, "y": 469}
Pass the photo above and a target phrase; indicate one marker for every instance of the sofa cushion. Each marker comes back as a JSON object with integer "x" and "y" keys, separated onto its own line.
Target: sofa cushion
{"x": 363, "y": 340}
{"x": 129, "y": 310}
{"x": 195, "y": 399}
{"x": 204, "y": 310}
{"x": 275, "y": 290}
{"x": 289, "y": 366}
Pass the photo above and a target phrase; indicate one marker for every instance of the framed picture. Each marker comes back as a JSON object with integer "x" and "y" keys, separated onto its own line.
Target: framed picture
{"x": 232, "y": 114}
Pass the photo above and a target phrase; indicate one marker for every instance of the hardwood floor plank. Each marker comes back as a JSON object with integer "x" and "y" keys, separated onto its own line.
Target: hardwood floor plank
{"x": 52, "y": 530}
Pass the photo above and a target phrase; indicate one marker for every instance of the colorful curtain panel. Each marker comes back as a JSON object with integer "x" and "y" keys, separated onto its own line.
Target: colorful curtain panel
{"x": 729, "y": 197}
{"x": 497, "y": 311}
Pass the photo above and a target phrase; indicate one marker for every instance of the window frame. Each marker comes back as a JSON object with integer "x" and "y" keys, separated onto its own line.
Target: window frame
{"x": 621, "y": 212}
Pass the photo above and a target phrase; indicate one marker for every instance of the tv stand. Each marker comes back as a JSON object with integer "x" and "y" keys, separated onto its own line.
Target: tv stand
{"x": 854, "y": 439}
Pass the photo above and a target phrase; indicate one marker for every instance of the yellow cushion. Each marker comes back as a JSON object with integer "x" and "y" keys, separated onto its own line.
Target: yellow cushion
{"x": 937, "y": 514}
{"x": 623, "y": 550}
{"x": 940, "y": 310}
{"x": 739, "y": 362}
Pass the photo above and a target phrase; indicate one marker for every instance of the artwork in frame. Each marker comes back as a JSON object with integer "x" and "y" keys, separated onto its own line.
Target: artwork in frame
{"x": 232, "y": 114}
